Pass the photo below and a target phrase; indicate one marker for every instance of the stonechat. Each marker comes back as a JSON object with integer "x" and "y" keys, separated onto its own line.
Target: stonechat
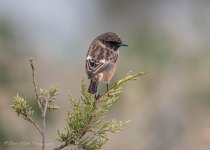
{"x": 101, "y": 59}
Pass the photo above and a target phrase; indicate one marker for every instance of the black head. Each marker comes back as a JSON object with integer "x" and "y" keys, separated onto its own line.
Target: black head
{"x": 111, "y": 40}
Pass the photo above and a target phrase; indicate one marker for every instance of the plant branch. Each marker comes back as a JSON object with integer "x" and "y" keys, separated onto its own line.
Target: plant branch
{"x": 46, "y": 101}
{"x": 35, "y": 124}
{"x": 44, "y": 123}
{"x": 120, "y": 82}
{"x": 61, "y": 146}
{"x": 42, "y": 132}
{"x": 85, "y": 126}
{"x": 34, "y": 83}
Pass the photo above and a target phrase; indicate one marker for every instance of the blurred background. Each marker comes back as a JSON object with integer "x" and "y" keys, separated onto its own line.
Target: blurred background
{"x": 169, "y": 107}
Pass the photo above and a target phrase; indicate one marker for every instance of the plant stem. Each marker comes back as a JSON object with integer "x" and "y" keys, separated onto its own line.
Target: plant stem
{"x": 61, "y": 146}
{"x": 117, "y": 84}
{"x": 94, "y": 107}
{"x": 35, "y": 124}
{"x": 44, "y": 124}
{"x": 34, "y": 83}
{"x": 43, "y": 110}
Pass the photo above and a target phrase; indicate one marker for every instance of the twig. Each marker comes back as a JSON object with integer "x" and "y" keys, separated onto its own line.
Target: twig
{"x": 43, "y": 109}
{"x": 35, "y": 124}
{"x": 61, "y": 146}
{"x": 107, "y": 91}
{"x": 116, "y": 84}
{"x": 44, "y": 123}
{"x": 34, "y": 83}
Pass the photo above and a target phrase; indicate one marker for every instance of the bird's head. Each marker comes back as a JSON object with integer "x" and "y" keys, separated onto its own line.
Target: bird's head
{"x": 111, "y": 40}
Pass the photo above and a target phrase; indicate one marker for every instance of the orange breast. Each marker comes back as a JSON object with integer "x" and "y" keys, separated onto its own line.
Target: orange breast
{"x": 107, "y": 75}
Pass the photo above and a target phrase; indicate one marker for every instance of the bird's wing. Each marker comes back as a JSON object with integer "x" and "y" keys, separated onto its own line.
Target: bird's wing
{"x": 98, "y": 59}
{"x": 94, "y": 67}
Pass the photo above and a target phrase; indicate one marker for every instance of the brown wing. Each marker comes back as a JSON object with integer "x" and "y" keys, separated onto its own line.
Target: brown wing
{"x": 93, "y": 67}
{"x": 99, "y": 59}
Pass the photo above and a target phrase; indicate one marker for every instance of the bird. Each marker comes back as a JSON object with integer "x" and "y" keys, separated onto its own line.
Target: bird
{"x": 101, "y": 59}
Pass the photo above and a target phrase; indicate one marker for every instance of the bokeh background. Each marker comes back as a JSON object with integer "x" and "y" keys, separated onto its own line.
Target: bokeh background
{"x": 169, "y": 107}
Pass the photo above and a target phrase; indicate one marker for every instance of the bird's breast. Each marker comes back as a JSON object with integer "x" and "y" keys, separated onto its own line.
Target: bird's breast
{"x": 107, "y": 74}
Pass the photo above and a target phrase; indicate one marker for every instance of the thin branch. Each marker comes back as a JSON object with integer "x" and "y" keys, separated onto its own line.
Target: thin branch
{"x": 61, "y": 146}
{"x": 35, "y": 124}
{"x": 104, "y": 93}
{"x": 44, "y": 123}
{"x": 117, "y": 84}
{"x": 43, "y": 110}
{"x": 34, "y": 83}
{"x": 44, "y": 113}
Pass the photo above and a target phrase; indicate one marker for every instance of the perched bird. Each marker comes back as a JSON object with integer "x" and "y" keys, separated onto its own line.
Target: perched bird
{"x": 101, "y": 59}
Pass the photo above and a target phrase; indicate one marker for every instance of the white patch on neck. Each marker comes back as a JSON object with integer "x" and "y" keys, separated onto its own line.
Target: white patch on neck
{"x": 89, "y": 57}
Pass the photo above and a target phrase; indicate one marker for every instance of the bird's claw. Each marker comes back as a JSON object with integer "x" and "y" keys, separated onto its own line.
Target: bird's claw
{"x": 97, "y": 96}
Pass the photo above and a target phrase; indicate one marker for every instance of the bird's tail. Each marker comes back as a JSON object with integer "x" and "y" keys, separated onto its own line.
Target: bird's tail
{"x": 93, "y": 86}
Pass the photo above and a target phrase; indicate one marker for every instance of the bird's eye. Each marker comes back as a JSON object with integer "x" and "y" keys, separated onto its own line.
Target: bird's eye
{"x": 112, "y": 43}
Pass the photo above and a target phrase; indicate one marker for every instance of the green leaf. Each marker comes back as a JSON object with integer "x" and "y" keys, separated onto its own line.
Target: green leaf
{"x": 20, "y": 106}
{"x": 85, "y": 126}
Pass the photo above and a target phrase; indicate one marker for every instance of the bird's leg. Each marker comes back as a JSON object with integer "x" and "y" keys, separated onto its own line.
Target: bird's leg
{"x": 97, "y": 96}
{"x": 107, "y": 88}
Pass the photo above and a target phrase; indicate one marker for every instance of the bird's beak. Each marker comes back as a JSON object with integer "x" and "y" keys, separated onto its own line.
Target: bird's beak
{"x": 123, "y": 44}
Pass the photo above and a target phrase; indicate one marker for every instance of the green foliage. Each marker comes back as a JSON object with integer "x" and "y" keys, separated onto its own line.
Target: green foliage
{"x": 49, "y": 96}
{"x": 85, "y": 126}
{"x": 46, "y": 101}
{"x": 21, "y": 107}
